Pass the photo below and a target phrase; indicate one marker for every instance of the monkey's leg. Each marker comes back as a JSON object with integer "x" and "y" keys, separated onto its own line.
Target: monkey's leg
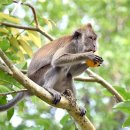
{"x": 71, "y": 92}
{"x": 75, "y": 71}
{"x": 55, "y": 94}
{"x": 52, "y": 79}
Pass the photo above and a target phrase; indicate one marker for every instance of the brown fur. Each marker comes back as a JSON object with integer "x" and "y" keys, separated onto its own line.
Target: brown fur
{"x": 46, "y": 52}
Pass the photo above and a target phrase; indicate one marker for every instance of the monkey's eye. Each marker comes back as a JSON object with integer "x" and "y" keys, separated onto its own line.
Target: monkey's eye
{"x": 90, "y": 37}
{"x": 94, "y": 38}
{"x": 76, "y": 35}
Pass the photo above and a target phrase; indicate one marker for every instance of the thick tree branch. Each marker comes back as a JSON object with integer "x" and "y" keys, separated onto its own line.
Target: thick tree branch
{"x": 40, "y": 92}
{"x": 104, "y": 83}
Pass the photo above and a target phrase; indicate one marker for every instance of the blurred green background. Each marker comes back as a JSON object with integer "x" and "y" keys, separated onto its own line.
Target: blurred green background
{"x": 111, "y": 21}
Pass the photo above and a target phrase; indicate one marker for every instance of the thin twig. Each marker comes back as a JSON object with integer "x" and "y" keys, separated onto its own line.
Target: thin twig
{"x": 15, "y": 8}
{"x": 33, "y": 11}
{"x": 24, "y": 71}
{"x": 5, "y": 68}
{"x": 12, "y": 92}
{"x": 87, "y": 79}
{"x": 28, "y": 28}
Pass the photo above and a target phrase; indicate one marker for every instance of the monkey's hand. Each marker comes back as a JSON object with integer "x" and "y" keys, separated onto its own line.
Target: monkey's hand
{"x": 94, "y": 60}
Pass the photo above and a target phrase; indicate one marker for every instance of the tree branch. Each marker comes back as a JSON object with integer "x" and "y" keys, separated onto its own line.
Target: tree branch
{"x": 5, "y": 68}
{"x": 28, "y": 28}
{"x": 15, "y": 8}
{"x": 104, "y": 83}
{"x": 12, "y": 92}
{"x": 87, "y": 79}
{"x": 33, "y": 11}
{"x": 40, "y": 92}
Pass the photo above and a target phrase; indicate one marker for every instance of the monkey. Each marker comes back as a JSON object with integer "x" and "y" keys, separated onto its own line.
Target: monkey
{"x": 54, "y": 65}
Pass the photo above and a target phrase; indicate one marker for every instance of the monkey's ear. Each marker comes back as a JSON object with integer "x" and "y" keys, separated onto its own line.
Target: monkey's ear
{"x": 76, "y": 35}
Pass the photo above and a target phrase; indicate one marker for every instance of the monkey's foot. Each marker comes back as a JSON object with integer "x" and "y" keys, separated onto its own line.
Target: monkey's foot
{"x": 56, "y": 95}
{"x": 82, "y": 111}
{"x": 68, "y": 92}
{"x": 57, "y": 98}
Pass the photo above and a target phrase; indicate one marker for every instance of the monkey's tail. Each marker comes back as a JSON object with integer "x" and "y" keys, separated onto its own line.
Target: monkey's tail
{"x": 12, "y": 102}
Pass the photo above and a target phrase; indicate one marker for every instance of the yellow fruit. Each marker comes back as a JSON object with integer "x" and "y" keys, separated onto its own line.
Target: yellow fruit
{"x": 91, "y": 63}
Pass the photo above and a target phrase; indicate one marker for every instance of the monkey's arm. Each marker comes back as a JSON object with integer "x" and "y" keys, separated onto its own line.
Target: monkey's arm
{"x": 63, "y": 59}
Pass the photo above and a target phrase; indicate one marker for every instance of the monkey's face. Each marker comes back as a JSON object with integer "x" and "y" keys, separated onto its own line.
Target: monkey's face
{"x": 89, "y": 39}
{"x": 86, "y": 39}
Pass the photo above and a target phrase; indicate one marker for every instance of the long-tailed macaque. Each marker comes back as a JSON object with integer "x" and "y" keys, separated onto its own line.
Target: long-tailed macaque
{"x": 54, "y": 65}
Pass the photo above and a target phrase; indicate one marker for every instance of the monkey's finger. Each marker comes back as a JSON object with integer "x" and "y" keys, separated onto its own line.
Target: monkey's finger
{"x": 57, "y": 98}
{"x": 98, "y": 59}
{"x": 82, "y": 111}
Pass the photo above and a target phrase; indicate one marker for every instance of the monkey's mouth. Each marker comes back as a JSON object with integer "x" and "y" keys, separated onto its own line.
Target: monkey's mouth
{"x": 89, "y": 50}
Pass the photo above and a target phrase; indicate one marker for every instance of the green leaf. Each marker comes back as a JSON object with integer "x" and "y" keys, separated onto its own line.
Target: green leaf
{"x": 4, "y": 89}
{"x": 3, "y": 100}
{"x": 106, "y": 92}
{"x": 48, "y": 22}
{"x": 8, "y": 81}
{"x": 26, "y": 47}
{"x": 67, "y": 123}
{"x": 11, "y": 55}
{"x": 123, "y": 92}
{"x": 9, "y": 18}
{"x": 5, "y": 2}
{"x": 35, "y": 38}
{"x": 123, "y": 106}
{"x": 3, "y": 31}
{"x": 14, "y": 44}
{"x": 4, "y": 44}
{"x": 15, "y": 47}
{"x": 10, "y": 113}
{"x": 127, "y": 122}
{"x": 64, "y": 119}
